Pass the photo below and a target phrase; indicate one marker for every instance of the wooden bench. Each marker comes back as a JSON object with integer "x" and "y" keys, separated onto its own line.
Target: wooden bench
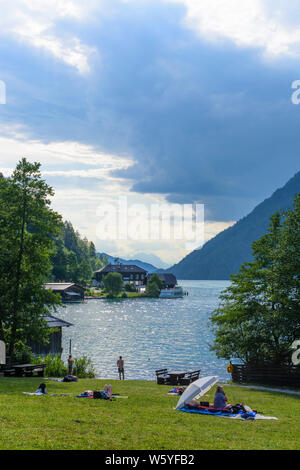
{"x": 189, "y": 377}
{"x": 8, "y": 372}
{"x": 27, "y": 370}
{"x": 162, "y": 376}
{"x": 39, "y": 372}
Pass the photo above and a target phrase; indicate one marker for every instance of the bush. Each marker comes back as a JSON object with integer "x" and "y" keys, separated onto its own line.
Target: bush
{"x": 83, "y": 367}
{"x": 54, "y": 366}
{"x": 130, "y": 288}
{"x": 22, "y": 354}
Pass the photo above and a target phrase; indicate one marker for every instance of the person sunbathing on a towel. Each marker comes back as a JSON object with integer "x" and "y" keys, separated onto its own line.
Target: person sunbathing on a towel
{"x": 42, "y": 389}
{"x": 107, "y": 389}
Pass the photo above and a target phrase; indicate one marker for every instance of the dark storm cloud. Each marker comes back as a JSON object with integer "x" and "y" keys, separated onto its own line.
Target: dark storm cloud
{"x": 207, "y": 123}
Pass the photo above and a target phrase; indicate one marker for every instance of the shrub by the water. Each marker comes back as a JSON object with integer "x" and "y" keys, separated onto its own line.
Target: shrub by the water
{"x": 55, "y": 366}
{"x": 83, "y": 367}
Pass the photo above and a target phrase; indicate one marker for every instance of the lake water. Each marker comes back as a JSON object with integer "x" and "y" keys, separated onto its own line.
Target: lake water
{"x": 150, "y": 334}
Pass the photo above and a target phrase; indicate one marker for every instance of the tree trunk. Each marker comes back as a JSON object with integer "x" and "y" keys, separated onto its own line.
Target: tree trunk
{"x": 18, "y": 276}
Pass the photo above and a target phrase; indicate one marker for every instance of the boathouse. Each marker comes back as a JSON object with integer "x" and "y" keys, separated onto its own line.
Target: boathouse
{"x": 69, "y": 291}
{"x": 168, "y": 279}
{"x": 54, "y": 346}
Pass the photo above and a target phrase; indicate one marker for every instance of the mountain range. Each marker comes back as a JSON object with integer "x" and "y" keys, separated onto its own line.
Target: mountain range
{"x": 224, "y": 254}
{"x": 150, "y": 268}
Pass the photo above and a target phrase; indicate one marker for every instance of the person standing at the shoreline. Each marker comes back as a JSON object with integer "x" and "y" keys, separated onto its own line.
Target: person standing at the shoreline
{"x": 120, "y": 364}
{"x": 70, "y": 364}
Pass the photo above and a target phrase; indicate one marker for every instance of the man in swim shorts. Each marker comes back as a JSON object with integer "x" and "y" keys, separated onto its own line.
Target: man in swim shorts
{"x": 120, "y": 364}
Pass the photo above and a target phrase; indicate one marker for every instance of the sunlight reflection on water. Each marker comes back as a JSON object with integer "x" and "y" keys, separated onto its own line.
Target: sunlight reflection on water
{"x": 149, "y": 333}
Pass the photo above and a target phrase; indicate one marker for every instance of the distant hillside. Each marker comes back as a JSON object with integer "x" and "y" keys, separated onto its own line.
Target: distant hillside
{"x": 73, "y": 258}
{"x": 141, "y": 264}
{"x": 223, "y": 254}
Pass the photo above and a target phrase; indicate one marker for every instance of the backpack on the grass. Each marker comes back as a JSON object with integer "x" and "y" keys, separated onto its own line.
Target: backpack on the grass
{"x": 237, "y": 408}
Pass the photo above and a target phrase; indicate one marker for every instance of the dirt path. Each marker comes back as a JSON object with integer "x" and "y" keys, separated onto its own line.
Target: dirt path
{"x": 268, "y": 389}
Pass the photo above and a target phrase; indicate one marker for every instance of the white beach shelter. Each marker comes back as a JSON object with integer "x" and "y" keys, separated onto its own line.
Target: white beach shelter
{"x": 196, "y": 390}
{"x": 2, "y": 353}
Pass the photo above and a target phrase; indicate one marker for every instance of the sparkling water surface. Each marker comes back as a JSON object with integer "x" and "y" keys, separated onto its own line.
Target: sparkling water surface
{"x": 150, "y": 334}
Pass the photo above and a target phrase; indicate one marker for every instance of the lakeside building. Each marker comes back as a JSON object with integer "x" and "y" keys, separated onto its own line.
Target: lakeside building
{"x": 69, "y": 291}
{"x": 169, "y": 280}
{"x": 130, "y": 273}
{"x": 54, "y": 346}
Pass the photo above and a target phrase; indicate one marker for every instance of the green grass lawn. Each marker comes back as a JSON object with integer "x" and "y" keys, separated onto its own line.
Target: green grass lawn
{"x": 146, "y": 420}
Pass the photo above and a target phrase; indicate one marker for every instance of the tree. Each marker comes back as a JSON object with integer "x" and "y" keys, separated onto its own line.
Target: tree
{"x": 28, "y": 226}
{"x": 92, "y": 254}
{"x": 71, "y": 256}
{"x": 85, "y": 272}
{"x": 154, "y": 286}
{"x": 259, "y": 315}
{"x": 113, "y": 284}
{"x": 59, "y": 261}
{"x": 72, "y": 266}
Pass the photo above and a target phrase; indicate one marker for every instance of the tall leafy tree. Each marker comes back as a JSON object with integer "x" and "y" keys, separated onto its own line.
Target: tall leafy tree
{"x": 154, "y": 286}
{"x": 113, "y": 284}
{"x": 84, "y": 272}
{"x": 259, "y": 315}
{"x": 28, "y": 226}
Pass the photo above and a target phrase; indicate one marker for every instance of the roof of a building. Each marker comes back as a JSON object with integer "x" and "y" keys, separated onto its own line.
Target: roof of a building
{"x": 168, "y": 278}
{"x": 60, "y": 286}
{"x": 121, "y": 268}
{"x": 54, "y": 322}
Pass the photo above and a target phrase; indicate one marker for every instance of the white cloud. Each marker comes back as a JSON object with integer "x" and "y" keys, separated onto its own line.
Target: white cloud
{"x": 15, "y": 144}
{"x": 248, "y": 23}
{"x": 78, "y": 200}
{"x": 33, "y": 22}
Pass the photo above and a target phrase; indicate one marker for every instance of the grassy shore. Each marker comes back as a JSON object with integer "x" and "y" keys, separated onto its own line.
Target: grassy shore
{"x": 145, "y": 420}
{"x": 129, "y": 295}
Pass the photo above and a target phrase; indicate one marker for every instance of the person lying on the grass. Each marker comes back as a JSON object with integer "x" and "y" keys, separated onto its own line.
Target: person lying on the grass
{"x": 107, "y": 389}
{"x": 42, "y": 389}
{"x": 177, "y": 391}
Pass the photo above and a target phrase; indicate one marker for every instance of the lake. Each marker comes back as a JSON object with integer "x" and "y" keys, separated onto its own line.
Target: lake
{"x": 150, "y": 334}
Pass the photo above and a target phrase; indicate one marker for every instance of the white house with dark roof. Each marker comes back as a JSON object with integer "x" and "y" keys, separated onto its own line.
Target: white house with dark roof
{"x": 130, "y": 273}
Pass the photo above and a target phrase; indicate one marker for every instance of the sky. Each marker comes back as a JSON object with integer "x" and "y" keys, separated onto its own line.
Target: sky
{"x": 152, "y": 102}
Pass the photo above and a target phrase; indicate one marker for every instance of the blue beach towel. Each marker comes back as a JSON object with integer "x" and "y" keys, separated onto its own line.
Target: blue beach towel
{"x": 250, "y": 416}
{"x": 177, "y": 391}
{"x": 68, "y": 378}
